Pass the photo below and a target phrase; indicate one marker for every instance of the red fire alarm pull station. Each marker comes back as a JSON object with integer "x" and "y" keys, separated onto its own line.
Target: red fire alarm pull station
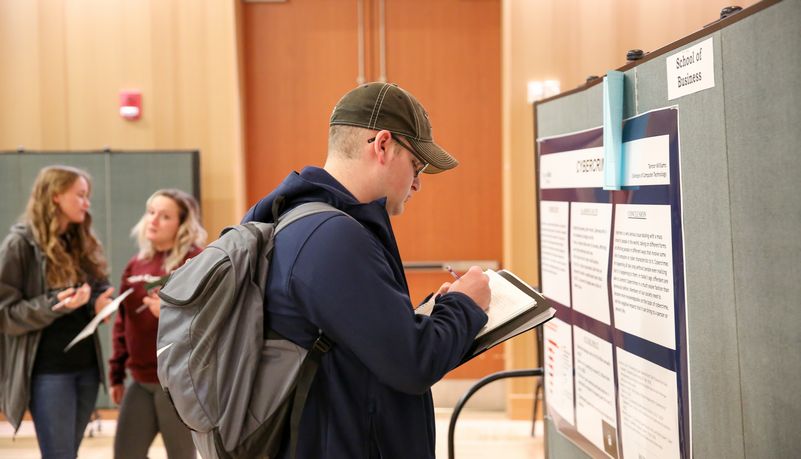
{"x": 131, "y": 105}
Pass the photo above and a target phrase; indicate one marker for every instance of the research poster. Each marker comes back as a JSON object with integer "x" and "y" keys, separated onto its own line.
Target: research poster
{"x": 559, "y": 368}
{"x": 612, "y": 261}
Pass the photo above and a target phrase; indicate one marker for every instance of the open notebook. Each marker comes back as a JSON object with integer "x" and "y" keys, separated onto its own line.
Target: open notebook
{"x": 515, "y": 307}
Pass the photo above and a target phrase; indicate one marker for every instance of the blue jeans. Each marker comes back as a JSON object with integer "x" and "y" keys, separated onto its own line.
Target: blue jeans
{"x": 61, "y": 405}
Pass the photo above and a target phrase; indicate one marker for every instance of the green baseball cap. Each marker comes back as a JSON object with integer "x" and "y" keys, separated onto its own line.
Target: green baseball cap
{"x": 386, "y": 106}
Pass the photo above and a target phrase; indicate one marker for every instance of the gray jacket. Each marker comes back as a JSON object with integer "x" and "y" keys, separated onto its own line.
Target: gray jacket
{"x": 24, "y": 311}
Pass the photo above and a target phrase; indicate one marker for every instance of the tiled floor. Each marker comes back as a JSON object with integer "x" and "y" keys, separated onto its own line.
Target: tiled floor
{"x": 488, "y": 434}
{"x": 479, "y": 434}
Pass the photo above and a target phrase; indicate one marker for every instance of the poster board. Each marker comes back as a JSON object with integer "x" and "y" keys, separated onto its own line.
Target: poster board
{"x": 616, "y": 354}
{"x": 739, "y": 165}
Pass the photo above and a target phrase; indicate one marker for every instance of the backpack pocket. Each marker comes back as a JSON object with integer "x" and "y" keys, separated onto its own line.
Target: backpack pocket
{"x": 188, "y": 282}
{"x": 186, "y": 355}
{"x": 270, "y": 405}
{"x": 278, "y": 357}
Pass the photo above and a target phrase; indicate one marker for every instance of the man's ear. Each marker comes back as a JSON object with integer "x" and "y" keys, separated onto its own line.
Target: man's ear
{"x": 381, "y": 147}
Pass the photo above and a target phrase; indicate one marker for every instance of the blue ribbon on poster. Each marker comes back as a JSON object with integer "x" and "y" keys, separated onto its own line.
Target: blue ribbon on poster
{"x": 613, "y": 130}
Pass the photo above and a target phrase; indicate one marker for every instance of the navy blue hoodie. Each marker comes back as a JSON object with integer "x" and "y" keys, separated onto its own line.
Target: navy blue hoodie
{"x": 371, "y": 397}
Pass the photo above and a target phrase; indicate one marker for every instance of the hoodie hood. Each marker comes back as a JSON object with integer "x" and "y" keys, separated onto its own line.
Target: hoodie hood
{"x": 311, "y": 184}
{"x": 314, "y": 184}
{"x": 25, "y": 231}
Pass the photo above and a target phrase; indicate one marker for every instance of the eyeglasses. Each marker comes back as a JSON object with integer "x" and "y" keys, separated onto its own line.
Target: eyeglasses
{"x": 418, "y": 165}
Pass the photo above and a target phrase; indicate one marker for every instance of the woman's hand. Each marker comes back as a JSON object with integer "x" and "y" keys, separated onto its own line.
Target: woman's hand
{"x": 117, "y": 392}
{"x": 153, "y": 303}
{"x": 73, "y": 298}
{"x": 103, "y": 300}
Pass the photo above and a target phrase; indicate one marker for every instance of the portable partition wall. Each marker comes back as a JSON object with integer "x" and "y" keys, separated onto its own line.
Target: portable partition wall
{"x": 679, "y": 295}
{"x": 121, "y": 183}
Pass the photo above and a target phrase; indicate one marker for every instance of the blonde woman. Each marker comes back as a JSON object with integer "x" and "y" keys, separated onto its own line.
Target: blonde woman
{"x": 168, "y": 234}
{"x": 52, "y": 282}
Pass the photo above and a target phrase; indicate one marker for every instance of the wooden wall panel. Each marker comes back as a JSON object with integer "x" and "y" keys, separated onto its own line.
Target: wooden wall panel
{"x": 447, "y": 53}
{"x": 52, "y": 105}
{"x": 100, "y": 61}
{"x": 71, "y": 59}
{"x": 19, "y": 22}
{"x": 300, "y": 57}
{"x": 165, "y": 103}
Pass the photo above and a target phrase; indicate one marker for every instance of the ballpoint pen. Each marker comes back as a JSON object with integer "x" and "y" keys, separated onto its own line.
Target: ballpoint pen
{"x": 450, "y": 270}
{"x": 61, "y": 303}
{"x": 66, "y": 300}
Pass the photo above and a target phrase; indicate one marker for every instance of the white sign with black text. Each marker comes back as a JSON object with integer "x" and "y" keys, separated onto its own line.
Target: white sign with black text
{"x": 691, "y": 70}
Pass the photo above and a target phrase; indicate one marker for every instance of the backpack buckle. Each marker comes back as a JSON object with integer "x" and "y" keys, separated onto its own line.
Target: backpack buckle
{"x": 322, "y": 344}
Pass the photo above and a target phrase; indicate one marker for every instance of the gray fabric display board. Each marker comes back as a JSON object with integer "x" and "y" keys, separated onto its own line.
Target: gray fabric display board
{"x": 738, "y": 150}
{"x": 121, "y": 183}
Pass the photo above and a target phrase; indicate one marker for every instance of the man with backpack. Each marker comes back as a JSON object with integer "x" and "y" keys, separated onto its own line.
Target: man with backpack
{"x": 339, "y": 274}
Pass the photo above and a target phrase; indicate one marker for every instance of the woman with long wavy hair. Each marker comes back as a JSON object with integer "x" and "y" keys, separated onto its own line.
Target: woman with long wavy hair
{"x": 52, "y": 283}
{"x": 168, "y": 234}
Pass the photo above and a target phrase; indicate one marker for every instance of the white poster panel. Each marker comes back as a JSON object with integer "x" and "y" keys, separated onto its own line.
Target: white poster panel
{"x": 596, "y": 414}
{"x": 573, "y": 169}
{"x": 642, "y": 273}
{"x": 649, "y": 423}
{"x": 559, "y": 369}
{"x": 590, "y": 227}
{"x": 647, "y": 162}
{"x": 554, "y": 255}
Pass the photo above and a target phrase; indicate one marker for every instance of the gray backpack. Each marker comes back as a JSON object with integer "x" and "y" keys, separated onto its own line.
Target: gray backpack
{"x": 233, "y": 387}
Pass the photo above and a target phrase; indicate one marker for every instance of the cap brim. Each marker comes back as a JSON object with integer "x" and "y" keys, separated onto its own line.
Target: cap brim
{"x": 437, "y": 158}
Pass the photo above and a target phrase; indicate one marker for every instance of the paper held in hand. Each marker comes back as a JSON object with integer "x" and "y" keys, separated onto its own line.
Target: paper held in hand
{"x": 515, "y": 307}
{"x": 92, "y": 326}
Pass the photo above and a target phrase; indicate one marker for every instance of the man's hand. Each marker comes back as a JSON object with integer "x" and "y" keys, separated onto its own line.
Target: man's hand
{"x": 475, "y": 284}
{"x": 117, "y": 392}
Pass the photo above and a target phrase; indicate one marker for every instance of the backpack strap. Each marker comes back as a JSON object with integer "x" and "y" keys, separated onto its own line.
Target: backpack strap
{"x": 308, "y": 369}
{"x": 278, "y": 203}
{"x": 304, "y": 210}
{"x": 258, "y": 265}
{"x": 254, "y": 261}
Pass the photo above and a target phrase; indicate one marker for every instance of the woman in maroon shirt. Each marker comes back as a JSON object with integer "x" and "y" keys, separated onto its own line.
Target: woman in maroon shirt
{"x": 168, "y": 234}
